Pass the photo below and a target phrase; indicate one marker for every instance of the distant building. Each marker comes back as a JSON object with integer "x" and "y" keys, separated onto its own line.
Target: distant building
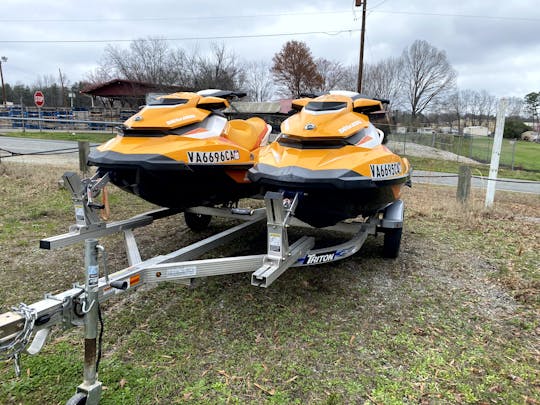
{"x": 530, "y": 136}
{"x": 476, "y": 131}
{"x": 128, "y": 92}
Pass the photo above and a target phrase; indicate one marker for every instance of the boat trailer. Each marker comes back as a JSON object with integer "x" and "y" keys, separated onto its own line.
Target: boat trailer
{"x": 26, "y": 327}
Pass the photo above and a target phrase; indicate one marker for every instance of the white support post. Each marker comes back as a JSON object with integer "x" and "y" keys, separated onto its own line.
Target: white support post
{"x": 495, "y": 153}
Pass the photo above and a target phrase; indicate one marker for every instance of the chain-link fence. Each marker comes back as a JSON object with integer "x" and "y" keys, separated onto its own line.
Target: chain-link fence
{"x": 62, "y": 119}
{"x": 521, "y": 155}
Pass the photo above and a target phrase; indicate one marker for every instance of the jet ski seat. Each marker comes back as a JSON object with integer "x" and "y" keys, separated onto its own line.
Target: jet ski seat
{"x": 249, "y": 134}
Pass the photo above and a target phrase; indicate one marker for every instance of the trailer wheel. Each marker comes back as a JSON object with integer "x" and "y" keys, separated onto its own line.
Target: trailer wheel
{"x": 78, "y": 399}
{"x": 392, "y": 241}
{"x": 197, "y": 222}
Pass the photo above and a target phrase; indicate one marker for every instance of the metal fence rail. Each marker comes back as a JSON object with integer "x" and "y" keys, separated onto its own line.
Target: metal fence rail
{"x": 23, "y": 123}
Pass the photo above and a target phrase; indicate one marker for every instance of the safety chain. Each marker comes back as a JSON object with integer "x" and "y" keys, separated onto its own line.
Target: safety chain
{"x": 18, "y": 344}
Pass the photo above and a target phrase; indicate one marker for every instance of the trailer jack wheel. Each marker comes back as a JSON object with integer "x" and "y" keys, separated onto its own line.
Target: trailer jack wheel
{"x": 197, "y": 222}
{"x": 392, "y": 241}
{"x": 78, "y": 399}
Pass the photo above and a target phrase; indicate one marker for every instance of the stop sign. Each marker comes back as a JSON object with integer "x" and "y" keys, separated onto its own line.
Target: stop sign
{"x": 39, "y": 99}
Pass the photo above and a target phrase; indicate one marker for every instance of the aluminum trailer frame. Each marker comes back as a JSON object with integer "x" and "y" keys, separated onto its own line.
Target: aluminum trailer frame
{"x": 79, "y": 305}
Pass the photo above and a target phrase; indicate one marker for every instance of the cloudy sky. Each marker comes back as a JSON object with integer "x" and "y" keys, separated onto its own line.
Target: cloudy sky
{"x": 493, "y": 44}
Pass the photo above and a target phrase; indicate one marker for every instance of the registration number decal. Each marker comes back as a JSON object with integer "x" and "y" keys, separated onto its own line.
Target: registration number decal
{"x": 213, "y": 157}
{"x": 385, "y": 170}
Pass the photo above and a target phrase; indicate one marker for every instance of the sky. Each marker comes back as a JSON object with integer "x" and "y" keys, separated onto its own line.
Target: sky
{"x": 493, "y": 45}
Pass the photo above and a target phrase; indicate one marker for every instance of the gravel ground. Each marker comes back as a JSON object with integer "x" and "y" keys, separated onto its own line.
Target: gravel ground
{"x": 414, "y": 149}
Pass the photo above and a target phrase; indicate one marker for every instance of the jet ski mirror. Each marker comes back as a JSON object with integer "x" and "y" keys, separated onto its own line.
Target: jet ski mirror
{"x": 213, "y": 103}
{"x": 300, "y": 103}
{"x": 364, "y": 106}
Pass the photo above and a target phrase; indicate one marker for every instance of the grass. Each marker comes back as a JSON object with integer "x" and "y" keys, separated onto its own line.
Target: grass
{"x": 453, "y": 320}
{"x": 526, "y": 154}
{"x": 97, "y": 137}
{"x": 450, "y": 166}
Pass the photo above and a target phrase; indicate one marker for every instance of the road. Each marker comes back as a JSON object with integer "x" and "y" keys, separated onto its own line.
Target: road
{"x": 25, "y": 146}
{"x": 450, "y": 179}
{"x": 31, "y": 146}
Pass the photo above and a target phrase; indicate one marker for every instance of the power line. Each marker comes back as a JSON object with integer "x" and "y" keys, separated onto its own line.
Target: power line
{"x": 79, "y": 41}
{"x": 376, "y": 6}
{"x": 176, "y": 18}
{"x": 478, "y": 16}
{"x": 228, "y": 17}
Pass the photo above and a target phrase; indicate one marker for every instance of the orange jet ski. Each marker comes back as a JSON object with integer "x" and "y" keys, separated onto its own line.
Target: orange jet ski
{"x": 334, "y": 158}
{"x": 180, "y": 151}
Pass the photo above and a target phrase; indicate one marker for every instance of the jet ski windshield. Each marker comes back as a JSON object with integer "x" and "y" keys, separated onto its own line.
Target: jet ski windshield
{"x": 168, "y": 101}
{"x": 325, "y": 105}
{"x": 368, "y": 133}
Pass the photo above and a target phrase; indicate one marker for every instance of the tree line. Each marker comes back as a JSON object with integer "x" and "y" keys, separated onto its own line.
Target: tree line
{"x": 420, "y": 83}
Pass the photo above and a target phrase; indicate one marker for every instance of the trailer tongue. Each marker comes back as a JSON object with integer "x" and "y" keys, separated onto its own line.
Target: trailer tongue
{"x": 26, "y": 327}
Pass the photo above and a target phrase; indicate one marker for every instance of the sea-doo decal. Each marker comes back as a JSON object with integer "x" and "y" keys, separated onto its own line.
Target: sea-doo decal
{"x": 213, "y": 157}
{"x": 385, "y": 170}
{"x": 180, "y": 119}
{"x": 349, "y": 126}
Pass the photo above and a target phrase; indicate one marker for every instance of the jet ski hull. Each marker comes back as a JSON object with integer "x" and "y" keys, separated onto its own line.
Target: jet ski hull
{"x": 328, "y": 196}
{"x": 333, "y": 157}
{"x": 180, "y": 151}
{"x": 169, "y": 183}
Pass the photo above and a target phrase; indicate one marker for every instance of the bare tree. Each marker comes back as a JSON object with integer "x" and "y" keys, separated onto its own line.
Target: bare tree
{"x": 332, "y": 73}
{"x": 515, "y": 106}
{"x": 146, "y": 60}
{"x": 350, "y": 78}
{"x": 258, "y": 83}
{"x": 426, "y": 75}
{"x": 154, "y": 61}
{"x": 382, "y": 80}
{"x": 99, "y": 75}
{"x": 219, "y": 69}
{"x": 453, "y": 106}
{"x": 295, "y": 70}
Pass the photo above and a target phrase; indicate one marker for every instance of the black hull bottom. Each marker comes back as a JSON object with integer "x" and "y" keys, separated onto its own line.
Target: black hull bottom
{"x": 180, "y": 189}
{"x": 321, "y": 209}
{"x": 328, "y": 196}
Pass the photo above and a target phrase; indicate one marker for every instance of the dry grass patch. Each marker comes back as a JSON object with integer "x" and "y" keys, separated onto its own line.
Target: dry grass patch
{"x": 453, "y": 320}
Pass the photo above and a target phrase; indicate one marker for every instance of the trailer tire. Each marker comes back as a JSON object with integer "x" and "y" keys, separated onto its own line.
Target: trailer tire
{"x": 197, "y": 222}
{"x": 392, "y": 242}
{"x": 78, "y": 399}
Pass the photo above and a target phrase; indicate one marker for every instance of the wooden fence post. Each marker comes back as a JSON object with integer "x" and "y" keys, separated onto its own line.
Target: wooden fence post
{"x": 464, "y": 184}
{"x": 84, "y": 151}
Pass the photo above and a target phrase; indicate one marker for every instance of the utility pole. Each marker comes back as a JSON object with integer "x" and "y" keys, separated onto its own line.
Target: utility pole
{"x": 62, "y": 84}
{"x": 362, "y": 3}
{"x": 3, "y": 59}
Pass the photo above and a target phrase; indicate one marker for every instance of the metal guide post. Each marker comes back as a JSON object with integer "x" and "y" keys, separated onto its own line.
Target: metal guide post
{"x": 86, "y": 212}
{"x": 280, "y": 256}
